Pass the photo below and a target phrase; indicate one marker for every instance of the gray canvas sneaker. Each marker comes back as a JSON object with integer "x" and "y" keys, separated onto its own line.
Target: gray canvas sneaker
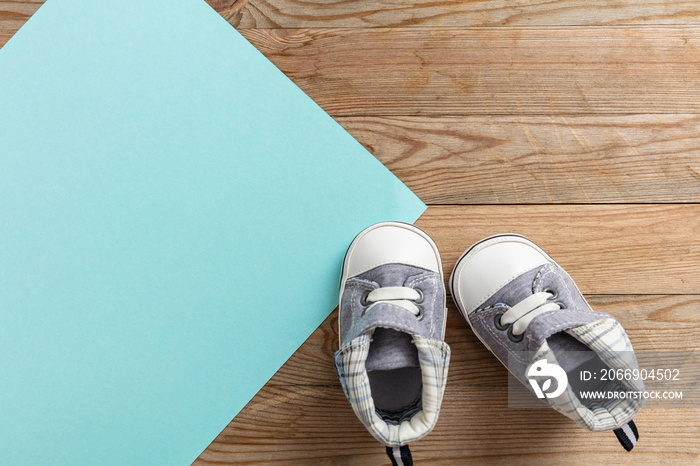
{"x": 530, "y": 314}
{"x": 392, "y": 362}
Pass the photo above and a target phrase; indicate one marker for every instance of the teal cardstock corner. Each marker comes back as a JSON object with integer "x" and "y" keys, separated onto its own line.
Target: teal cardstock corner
{"x": 173, "y": 216}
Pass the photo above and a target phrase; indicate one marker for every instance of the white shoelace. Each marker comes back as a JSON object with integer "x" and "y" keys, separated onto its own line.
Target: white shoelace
{"x": 398, "y": 295}
{"x": 526, "y": 310}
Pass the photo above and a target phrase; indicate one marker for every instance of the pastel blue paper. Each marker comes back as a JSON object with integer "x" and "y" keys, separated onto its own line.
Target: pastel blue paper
{"x": 173, "y": 215}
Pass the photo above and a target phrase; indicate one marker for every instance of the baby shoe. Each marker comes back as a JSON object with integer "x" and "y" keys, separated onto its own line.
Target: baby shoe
{"x": 392, "y": 362}
{"x": 530, "y": 314}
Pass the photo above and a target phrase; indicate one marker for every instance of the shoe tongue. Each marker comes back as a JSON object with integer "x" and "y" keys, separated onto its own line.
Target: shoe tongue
{"x": 392, "y": 274}
{"x": 386, "y": 315}
{"x": 391, "y": 326}
{"x": 391, "y": 349}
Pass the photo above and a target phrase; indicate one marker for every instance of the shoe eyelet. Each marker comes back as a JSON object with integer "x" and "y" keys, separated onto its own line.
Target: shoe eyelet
{"x": 421, "y": 298}
{"x": 561, "y": 305}
{"x": 421, "y": 313}
{"x": 513, "y": 338}
{"x": 498, "y": 324}
{"x": 363, "y": 299}
{"x": 551, "y": 291}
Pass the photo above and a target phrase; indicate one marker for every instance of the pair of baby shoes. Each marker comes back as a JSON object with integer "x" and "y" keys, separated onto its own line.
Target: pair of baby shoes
{"x": 393, "y": 360}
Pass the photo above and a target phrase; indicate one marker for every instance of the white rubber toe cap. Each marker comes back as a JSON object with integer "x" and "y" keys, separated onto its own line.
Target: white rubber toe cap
{"x": 391, "y": 242}
{"x": 491, "y": 264}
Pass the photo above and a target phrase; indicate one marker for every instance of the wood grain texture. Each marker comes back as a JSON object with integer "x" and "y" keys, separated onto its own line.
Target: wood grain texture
{"x": 458, "y": 13}
{"x": 504, "y": 159}
{"x": 506, "y": 70}
{"x": 509, "y": 71}
{"x": 4, "y": 37}
{"x": 14, "y": 13}
{"x": 607, "y": 249}
{"x": 247, "y": 14}
{"x": 315, "y": 425}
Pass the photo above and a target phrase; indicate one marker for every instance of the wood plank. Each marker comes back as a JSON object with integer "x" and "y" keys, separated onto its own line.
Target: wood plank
{"x": 510, "y": 71}
{"x": 653, "y": 322}
{"x": 4, "y": 37}
{"x": 14, "y": 13}
{"x": 458, "y": 13}
{"x": 505, "y": 70}
{"x": 396, "y": 13}
{"x": 246, "y": 14}
{"x": 607, "y": 249}
{"x": 505, "y": 159}
{"x": 315, "y": 425}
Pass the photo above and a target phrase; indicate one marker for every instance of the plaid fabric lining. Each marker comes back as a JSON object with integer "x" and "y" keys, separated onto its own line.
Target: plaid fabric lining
{"x": 433, "y": 357}
{"x": 611, "y": 343}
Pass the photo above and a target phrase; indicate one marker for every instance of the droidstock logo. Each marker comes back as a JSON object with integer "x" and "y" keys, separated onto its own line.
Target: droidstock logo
{"x": 541, "y": 369}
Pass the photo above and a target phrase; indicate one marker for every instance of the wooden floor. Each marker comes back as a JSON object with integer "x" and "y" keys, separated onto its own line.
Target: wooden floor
{"x": 572, "y": 122}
